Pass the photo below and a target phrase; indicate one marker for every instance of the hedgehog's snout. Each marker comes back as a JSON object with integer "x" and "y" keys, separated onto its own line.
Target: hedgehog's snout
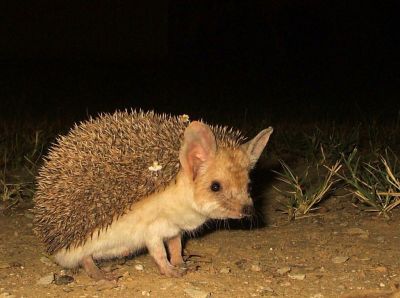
{"x": 248, "y": 210}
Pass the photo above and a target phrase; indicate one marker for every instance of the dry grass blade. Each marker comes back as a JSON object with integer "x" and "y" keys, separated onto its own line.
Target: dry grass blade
{"x": 325, "y": 187}
{"x": 302, "y": 194}
{"x": 374, "y": 184}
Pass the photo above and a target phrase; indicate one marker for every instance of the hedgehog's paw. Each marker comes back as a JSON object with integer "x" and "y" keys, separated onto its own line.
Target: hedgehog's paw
{"x": 95, "y": 272}
{"x": 173, "y": 271}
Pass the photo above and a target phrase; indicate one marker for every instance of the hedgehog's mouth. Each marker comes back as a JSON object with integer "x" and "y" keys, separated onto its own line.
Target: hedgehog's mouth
{"x": 228, "y": 211}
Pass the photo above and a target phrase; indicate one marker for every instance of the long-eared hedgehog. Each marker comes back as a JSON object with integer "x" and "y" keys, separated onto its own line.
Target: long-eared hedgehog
{"x": 124, "y": 181}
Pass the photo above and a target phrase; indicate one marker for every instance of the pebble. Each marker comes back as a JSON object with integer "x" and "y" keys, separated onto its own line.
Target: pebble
{"x": 102, "y": 285}
{"x": 145, "y": 293}
{"x": 363, "y": 234}
{"x": 166, "y": 285}
{"x": 285, "y": 284}
{"x": 67, "y": 289}
{"x": 8, "y": 295}
{"x": 46, "y": 280}
{"x": 63, "y": 279}
{"x": 283, "y": 270}
{"x": 241, "y": 263}
{"x": 255, "y": 268}
{"x": 381, "y": 269}
{"x": 264, "y": 290}
{"x": 297, "y": 276}
{"x": 340, "y": 259}
{"x": 225, "y": 270}
{"x": 139, "y": 267}
{"x": 194, "y": 293}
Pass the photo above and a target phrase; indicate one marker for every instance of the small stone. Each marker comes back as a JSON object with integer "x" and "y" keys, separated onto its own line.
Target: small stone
{"x": 126, "y": 274}
{"x": 318, "y": 295}
{"x": 102, "y": 285}
{"x": 194, "y": 293}
{"x": 363, "y": 234}
{"x": 285, "y": 284}
{"x": 340, "y": 259}
{"x": 8, "y": 295}
{"x": 283, "y": 270}
{"x": 241, "y": 263}
{"x": 63, "y": 280}
{"x": 68, "y": 290}
{"x": 264, "y": 290}
{"x": 382, "y": 285}
{"x": 166, "y": 285}
{"x": 381, "y": 269}
{"x": 108, "y": 268}
{"x": 225, "y": 270}
{"x": 145, "y": 293}
{"x": 139, "y": 267}
{"x": 297, "y": 276}
{"x": 255, "y": 268}
{"x": 46, "y": 280}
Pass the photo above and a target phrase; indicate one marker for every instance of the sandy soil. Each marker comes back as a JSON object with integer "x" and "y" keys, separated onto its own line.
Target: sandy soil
{"x": 340, "y": 252}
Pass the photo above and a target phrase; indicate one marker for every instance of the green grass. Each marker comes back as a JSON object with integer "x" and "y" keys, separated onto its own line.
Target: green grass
{"x": 302, "y": 193}
{"x": 375, "y": 183}
{"x": 363, "y": 163}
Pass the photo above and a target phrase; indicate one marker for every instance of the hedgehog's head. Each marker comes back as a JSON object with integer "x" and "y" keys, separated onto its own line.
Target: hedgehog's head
{"x": 220, "y": 174}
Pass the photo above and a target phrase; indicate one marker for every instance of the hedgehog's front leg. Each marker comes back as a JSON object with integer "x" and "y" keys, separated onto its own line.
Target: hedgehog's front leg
{"x": 175, "y": 250}
{"x": 95, "y": 272}
{"x": 157, "y": 251}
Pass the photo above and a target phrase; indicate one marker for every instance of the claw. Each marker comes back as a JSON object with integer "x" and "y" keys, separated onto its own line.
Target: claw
{"x": 95, "y": 272}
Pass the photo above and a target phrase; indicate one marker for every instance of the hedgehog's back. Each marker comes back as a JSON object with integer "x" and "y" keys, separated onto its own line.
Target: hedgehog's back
{"x": 95, "y": 173}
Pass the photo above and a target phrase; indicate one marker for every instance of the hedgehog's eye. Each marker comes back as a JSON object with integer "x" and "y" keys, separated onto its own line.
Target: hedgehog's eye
{"x": 215, "y": 186}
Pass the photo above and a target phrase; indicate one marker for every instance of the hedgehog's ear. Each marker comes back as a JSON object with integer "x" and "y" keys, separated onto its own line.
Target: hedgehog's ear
{"x": 255, "y": 146}
{"x": 198, "y": 146}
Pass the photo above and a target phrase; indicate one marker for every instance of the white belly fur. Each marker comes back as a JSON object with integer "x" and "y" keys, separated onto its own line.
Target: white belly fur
{"x": 160, "y": 216}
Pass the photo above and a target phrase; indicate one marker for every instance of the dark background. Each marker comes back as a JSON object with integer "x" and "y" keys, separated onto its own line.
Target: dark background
{"x": 221, "y": 60}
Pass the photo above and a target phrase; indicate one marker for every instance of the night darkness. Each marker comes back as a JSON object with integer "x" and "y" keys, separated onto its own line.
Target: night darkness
{"x": 313, "y": 219}
{"x": 212, "y": 59}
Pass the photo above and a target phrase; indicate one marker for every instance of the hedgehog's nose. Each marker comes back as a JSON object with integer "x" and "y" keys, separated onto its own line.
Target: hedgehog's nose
{"x": 248, "y": 210}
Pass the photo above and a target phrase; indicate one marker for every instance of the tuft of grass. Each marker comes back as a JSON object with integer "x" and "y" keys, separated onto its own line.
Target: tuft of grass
{"x": 304, "y": 193}
{"x": 375, "y": 184}
{"x": 21, "y": 149}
